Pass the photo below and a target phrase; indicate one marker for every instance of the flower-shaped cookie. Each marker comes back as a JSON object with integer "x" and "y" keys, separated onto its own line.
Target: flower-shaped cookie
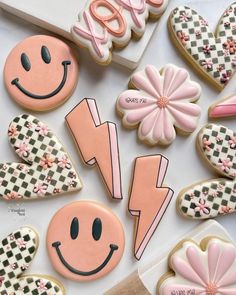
{"x": 47, "y": 170}
{"x": 16, "y": 253}
{"x": 160, "y": 102}
{"x": 208, "y": 199}
{"x": 207, "y": 270}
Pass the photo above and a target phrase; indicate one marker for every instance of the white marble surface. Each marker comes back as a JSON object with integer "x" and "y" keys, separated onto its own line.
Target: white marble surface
{"x": 105, "y": 84}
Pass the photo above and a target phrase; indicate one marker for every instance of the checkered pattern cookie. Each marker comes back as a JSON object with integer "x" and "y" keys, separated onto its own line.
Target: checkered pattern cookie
{"x": 47, "y": 169}
{"x": 211, "y": 198}
{"x": 16, "y": 253}
{"x": 214, "y": 55}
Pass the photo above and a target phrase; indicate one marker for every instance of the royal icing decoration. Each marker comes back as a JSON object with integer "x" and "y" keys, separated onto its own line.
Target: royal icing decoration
{"x": 85, "y": 241}
{"x": 160, "y": 102}
{"x": 209, "y": 269}
{"x": 47, "y": 169}
{"x": 212, "y": 54}
{"x": 223, "y": 108}
{"x": 16, "y": 254}
{"x": 41, "y": 73}
{"x": 97, "y": 142}
{"x": 104, "y": 22}
{"x": 149, "y": 199}
{"x": 211, "y": 198}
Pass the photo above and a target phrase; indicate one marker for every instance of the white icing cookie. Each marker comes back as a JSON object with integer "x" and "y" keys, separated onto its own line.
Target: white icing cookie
{"x": 160, "y": 102}
{"x": 16, "y": 253}
{"x": 209, "y": 269}
{"x": 47, "y": 170}
{"x": 104, "y": 23}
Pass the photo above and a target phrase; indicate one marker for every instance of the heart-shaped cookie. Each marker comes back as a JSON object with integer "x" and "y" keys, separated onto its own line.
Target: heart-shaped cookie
{"x": 212, "y": 55}
{"x": 17, "y": 251}
{"x": 217, "y": 144}
{"x": 47, "y": 170}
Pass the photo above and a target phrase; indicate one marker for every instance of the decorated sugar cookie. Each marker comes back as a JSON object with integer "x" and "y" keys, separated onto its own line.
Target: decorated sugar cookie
{"x": 85, "y": 241}
{"x": 149, "y": 199}
{"x": 46, "y": 169}
{"x": 206, "y": 269}
{"x": 97, "y": 143}
{"x": 212, "y": 55}
{"x": 41, "y": 73}
{"x": 16, "y": 254}
{"x": 159, "y": 103}
{"x": 214, "y": 197}
{"x": 223, "y": 108}
{"x": 103, "y": 24}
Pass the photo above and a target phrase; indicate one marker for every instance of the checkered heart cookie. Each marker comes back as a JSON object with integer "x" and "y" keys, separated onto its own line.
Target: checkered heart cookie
{"x": 208, "y": 199}
{"x": 16, "y": 253}
{"x": 212, "y": 55}
{"x": 47, "y": 170}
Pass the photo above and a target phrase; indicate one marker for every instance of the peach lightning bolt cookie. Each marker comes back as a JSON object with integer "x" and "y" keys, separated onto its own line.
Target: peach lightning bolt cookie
{"x": 208, "y": 268}
{"x": 97, "y": 143}
{"x": 85, "y": 241}
{"x": 211, "y": 198}
{"x": 103, "y": 24}
{"x": 212, "y": 55}
{"x": 41, "y": 73}
{"x": 46, "y": 169}
{"x": 160, "y": 101}
{"x": 17, "y": 251}
{"x": 149, "y": 199}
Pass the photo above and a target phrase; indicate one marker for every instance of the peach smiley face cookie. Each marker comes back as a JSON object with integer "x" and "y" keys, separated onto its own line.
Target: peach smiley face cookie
{"x": 85, "y": 241}
{"x": 41, "y": 73}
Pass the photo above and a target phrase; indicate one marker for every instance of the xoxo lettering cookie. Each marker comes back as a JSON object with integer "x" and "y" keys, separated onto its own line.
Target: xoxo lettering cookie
{"x": 47, "y": 169}
{"x": 210, "y": 198}
{"x": 212, "y": 55}
{"x": 149, "y": 199}
{"x": 85, "y": 241}
{"x": 41, "y": 73}
{"x": 223, "y": 108}
{"x": 17, "y": 251}
{"x": 104, "y": 24}
{"x": 206, "y": 269}
{"x": 160, "y": 102}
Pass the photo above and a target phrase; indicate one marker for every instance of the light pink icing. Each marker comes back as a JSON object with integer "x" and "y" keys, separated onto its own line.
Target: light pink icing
{"x": 202, "y": 272}
{"x": 149, "y": 199}
{"x": 161, "y": 102}
{"x": 225, "y": 108}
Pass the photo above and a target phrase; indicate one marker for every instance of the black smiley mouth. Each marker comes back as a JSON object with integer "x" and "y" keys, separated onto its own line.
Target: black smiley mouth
{"x": 57, "y": 245}
{"x": 57, "y": 90}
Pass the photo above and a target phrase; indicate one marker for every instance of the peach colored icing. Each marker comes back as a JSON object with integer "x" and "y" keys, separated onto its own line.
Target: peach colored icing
{"x": 89, "y": 237}
{"x": 161, "y": 101}
{"x": 103, "y": 23}
{"x": 148, "y": 199}
{"x": 45, "y": 68}
{"x": 209, "y": 272}
{"x": 97, "y": 143}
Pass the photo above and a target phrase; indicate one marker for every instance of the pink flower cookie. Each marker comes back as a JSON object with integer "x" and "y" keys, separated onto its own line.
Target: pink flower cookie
{"x": 160, "y": 101}
{"x": 209, "y": 269}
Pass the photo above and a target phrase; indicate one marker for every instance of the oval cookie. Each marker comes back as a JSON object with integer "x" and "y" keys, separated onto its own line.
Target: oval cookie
{"x": 85, "y": 241}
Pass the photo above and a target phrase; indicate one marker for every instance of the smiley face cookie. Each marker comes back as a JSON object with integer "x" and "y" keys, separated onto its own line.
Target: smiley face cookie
{"x": 41, "y": 73}
{"x": 85, "y": 241}
{"x": 17, "y": 251}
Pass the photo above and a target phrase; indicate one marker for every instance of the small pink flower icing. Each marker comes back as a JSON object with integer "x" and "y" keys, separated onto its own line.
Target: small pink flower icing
{"x": 202, "y": 207}
{"x": 225, "y": 164}
{"x": 40, "y": 188}
{"x": 209, "y": 272}
{"x": 22, "y": 149}
{"x": 206, "y": 144}
{"x": 160, "y": 102}
{"x": 42, "y": 129}
{"x": 13, "y": 196}
{"x": 232, "y": 142}
{"x": 21, "y": 243}
{"x": 64, "y": 162}
{"x": 47, "y": 161}
{"x": 207, "y": 64}
{"x": 41, "y": 285}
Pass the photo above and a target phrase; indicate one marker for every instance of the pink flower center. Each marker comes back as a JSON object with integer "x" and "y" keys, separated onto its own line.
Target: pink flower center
{"x": 211, "y": 289}
{"x": 162, "y": 102}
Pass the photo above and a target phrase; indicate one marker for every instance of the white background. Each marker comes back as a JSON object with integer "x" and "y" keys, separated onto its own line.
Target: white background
{"x": 105, "y": 84}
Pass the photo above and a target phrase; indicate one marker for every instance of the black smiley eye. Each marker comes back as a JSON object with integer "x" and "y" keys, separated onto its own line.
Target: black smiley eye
{"x": 25, "y": 62}
{"x": 74, "y": 228}
{"x": 46, "y": 56}
{"x": 97, "y": 229}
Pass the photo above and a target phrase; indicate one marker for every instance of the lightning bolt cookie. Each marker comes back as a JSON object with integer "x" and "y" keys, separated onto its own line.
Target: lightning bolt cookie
{"x": 148, "y": 198}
